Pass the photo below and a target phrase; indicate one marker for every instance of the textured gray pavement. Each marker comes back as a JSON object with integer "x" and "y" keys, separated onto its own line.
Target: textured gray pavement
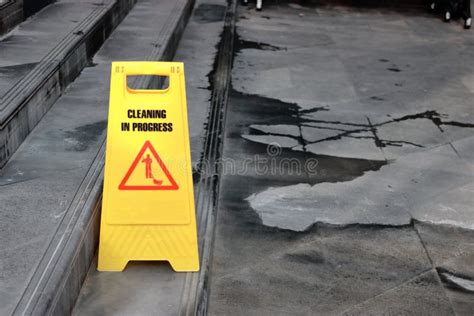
{"x": 376, "y": 109}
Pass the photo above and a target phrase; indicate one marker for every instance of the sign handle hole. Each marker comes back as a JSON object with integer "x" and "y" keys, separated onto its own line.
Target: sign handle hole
{"x": 148, "y": 82}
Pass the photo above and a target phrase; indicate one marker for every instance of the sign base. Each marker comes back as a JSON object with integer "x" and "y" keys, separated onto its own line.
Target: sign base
{"x": 124, "y": 243}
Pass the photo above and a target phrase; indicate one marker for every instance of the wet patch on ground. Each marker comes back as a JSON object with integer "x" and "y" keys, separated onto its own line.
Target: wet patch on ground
{"x": 16, "y": 70}
{"x": 240, "y": 44}
{"x": 413, "y": 7}
{"x": 311, "y": 266}
{"x": 209, "y": 13}
{"x": 316, "y": 129}
{"x": 330, "y": 189}
{"x": 341, "y": 129}
{"x": 321, "y": 269}
{"x": 81, "y": 137}
{"x": 91, "y": 64}
{"x": 393, "y": 69}
{"x": 9, "y": 74}
{"x": 250, "y": 111}
{"x": 272, "y": 159}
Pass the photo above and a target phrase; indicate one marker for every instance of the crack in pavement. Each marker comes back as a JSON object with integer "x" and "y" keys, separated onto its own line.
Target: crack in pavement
{"x": 393, "y": 289}
{"x": 433, "y": 116}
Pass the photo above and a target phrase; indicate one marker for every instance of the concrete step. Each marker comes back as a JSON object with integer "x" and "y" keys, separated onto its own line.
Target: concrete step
{"x": 14, "y": 12}
{"x": 43, "y": 55}
{"x": 51, "y": 187}
{"x": 11, "y": 13}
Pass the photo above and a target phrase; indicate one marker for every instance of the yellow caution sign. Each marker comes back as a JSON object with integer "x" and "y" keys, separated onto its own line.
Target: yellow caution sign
{"x": 148, "y": 204}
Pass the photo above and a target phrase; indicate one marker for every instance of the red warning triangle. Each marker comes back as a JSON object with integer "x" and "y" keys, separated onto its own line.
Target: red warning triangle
{"x": 149, "y": 182}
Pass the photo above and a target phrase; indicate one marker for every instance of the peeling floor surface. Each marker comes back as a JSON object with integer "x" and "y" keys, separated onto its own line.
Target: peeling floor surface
{"x": 348, "y": 177}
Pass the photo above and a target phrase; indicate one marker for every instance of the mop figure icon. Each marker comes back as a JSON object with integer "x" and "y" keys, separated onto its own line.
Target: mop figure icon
{"x": 148, "y": 171}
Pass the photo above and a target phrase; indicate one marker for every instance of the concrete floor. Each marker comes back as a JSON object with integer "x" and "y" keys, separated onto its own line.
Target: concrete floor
{"x": 348, "y": 184}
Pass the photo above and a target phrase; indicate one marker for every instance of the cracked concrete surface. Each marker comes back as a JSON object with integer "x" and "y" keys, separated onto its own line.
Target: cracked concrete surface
{"x": 385, "y": 222}
{"x": 432, "y": 186}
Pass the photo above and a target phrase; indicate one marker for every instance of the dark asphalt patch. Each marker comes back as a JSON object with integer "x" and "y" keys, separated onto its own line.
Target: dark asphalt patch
{"x": 208, "y": 13}
{"x": 82, "y": 136}
{"x": 16, "y": 71}
{"x": 244, "y": 44}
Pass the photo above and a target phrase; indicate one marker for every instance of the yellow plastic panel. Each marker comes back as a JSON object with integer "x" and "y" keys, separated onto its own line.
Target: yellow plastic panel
{"x": 148, "y": 204}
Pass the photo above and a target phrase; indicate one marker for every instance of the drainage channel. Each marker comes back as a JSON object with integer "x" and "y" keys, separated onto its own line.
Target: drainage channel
{"x": 196, "y": 294}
